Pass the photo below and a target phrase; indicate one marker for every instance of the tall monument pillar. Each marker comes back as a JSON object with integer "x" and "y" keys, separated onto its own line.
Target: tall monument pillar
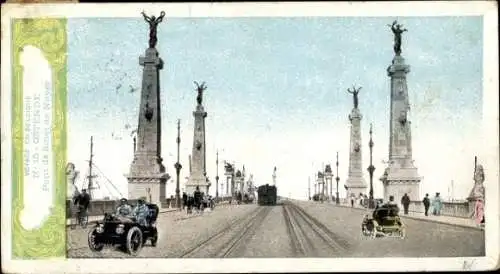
{"x": 147, "y": 177}
{"x": 401, "y": 175}
{"x": 355, "y": 181}
{"x": 198, "y": 174}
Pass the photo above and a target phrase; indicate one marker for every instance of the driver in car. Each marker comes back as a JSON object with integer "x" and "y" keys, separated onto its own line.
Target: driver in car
{"x": 141, "y": 212}
{"x": 124, "y": 209}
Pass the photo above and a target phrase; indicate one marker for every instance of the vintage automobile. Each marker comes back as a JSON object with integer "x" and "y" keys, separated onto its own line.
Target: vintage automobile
{"x": 124, "y": 231}
{"x": 385, "y": 221}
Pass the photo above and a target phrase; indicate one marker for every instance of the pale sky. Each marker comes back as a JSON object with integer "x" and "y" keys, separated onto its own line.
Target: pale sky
{"x": 277, "y": 95}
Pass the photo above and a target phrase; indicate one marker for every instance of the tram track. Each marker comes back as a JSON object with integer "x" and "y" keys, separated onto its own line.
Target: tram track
{"x": 308, "y": 235}
{"x": 228, "y": 240}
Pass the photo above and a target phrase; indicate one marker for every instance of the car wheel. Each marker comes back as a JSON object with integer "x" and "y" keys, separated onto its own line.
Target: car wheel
{"x": 94, "y": 244}
{"x": 374, "y": 233}
{"x": 134, "y": 241}
{"x": 154, "y": 238}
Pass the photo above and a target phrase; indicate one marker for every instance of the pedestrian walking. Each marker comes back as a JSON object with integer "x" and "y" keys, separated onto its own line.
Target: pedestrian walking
{"x": 184, "y": 200}
{"x": 405, "y": 201}
{"x": 437, "y": 204}
{"x": 427, "y": 204}
{"x": 197, "y": 198}
{"x": 82, "y": 201}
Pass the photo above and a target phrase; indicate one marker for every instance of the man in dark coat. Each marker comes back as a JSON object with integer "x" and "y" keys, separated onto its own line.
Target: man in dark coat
{"x": 239, "y": 197}
{"x": 197, "y": 198}
{"x": 184, "y": 200}
{"x": 406, "y": 203}
{"x": 83, "y": 201}
{"x": 427, "y": 204}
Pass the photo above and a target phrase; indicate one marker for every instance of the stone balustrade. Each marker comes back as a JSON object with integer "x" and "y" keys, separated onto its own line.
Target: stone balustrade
{"x": 99, "y": 207}
{"x": 96, "y": 207}
{"x": 453, "y": 209}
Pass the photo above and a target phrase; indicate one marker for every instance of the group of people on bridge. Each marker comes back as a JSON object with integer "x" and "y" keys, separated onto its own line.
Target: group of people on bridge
{"x": 198, "y": 200}
{"x": 437, "y": 205}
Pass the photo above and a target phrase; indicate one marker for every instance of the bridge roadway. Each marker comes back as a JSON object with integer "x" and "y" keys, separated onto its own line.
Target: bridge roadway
{"x": 290, "y": 229}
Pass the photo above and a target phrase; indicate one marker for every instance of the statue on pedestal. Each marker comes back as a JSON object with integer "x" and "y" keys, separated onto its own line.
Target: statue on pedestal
{"x": 354, "y": 92}
{"x": 200, "y": 90}
{"x": 478, "y": 190}
{"x": 153, "y": 25}
{"x": 228, "y": 167}
{"x": 397, "y": 30}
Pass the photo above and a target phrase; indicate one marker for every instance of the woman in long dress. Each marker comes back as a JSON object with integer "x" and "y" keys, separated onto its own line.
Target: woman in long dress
{"x": 437, "y": 205}
{"x": 479, "y": 211}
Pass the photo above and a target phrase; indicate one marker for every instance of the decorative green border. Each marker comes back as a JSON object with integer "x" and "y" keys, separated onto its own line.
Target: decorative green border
{"x": 49, "y": 35}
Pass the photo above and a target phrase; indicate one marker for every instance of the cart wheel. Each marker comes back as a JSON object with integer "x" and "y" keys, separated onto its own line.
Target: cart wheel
{"x": 94, "y": 245}
{"x": 134, "y": 241}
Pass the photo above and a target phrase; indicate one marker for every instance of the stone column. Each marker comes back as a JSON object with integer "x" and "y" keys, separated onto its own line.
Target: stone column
{"x": 198, "y": 177}
{"x": 328, "y": 181}
{"x": 355, "y": 181}
{"x": 321, "y": 185}
{"x": 401, "y": 176}
{"x": 147, "y": 171}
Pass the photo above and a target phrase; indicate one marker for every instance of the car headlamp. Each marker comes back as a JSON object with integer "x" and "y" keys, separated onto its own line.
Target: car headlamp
{"x": 100, "y": 228}
{"x": 120, "y": 229}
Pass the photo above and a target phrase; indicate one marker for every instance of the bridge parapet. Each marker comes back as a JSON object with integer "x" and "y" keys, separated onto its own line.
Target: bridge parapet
{"x": 452, "y": 209}
{"x": 96, "y": 207}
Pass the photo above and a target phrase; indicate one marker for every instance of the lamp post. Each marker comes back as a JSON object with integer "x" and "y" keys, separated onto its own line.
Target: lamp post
{"x": 217, "y": 178}
{"x": 371, "y": 169}
{"x": 178, "y": 166}
{"x": 309, "y": 188}
{"x": 337, "y": 200}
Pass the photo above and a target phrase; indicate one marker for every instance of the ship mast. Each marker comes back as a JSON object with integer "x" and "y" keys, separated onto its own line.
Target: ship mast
{"x": 90, "y": 177}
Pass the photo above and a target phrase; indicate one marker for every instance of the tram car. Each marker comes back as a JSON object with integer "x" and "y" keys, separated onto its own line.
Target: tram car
{"x": 267, "y": 195}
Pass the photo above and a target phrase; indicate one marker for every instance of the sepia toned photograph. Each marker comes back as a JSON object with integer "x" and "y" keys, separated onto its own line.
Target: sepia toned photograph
{"x": 232, "y": 132}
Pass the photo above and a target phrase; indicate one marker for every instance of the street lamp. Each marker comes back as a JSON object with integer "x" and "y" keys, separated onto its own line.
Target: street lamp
{"x": 337, "y": 200}
{"x": 217, "y": 178}
{"x": 371, "y": 169}
{"x": 309, "y": 188}
{"x": 178, "y": 166}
